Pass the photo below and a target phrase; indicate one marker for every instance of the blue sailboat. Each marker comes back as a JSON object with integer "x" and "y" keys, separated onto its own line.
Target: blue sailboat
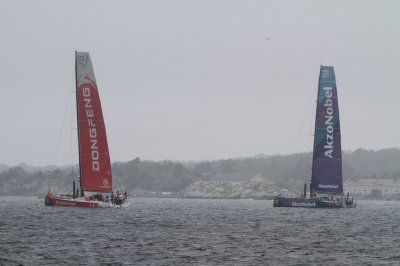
{"x": 326, "y": 187}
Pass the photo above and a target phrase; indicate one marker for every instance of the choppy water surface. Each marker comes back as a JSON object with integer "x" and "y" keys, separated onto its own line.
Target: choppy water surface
{"x": 198, "y": 232}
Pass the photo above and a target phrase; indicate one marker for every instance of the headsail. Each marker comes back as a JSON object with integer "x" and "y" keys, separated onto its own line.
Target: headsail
{"x": 327, "y": 155}
{"x": 95, "y": 167}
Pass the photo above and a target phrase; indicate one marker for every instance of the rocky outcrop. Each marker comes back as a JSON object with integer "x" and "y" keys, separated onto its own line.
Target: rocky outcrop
{"x": 257, "y": 187}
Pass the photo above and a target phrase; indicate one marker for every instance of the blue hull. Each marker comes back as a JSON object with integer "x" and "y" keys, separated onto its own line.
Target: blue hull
{"x": 280, "y": 201}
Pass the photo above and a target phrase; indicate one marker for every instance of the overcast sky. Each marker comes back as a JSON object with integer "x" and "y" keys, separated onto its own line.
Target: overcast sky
{"x": 196, "y": 80}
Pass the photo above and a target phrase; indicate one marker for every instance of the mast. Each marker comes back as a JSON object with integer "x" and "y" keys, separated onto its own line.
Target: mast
{"x": 314, "y": 144}
{"x": 77, "y": 122}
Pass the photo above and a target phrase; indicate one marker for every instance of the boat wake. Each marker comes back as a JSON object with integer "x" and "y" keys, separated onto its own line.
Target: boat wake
{"x": 111, "y": 205}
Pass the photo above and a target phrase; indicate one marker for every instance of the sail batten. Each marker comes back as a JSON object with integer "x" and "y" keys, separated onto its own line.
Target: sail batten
{"x": 327, "y": 155}
{"x": 93, "y": 148}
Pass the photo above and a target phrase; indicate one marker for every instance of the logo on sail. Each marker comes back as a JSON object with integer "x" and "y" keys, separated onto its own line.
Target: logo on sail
{"x": 328, "y": 104}
{"x": 94, "y": 148}
{"x": 328, "y": 186}
{"x": 81, "y": 59}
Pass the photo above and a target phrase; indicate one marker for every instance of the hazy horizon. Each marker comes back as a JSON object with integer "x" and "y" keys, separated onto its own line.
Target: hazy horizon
{"x": 196, "y": 80}
{"x": 68, "y": 164}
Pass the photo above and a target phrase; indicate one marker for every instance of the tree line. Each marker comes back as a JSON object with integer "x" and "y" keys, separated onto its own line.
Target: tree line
{"x": 289, "y": 170}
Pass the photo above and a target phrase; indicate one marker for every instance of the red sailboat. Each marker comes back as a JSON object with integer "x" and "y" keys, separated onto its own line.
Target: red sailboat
{"x": 94, "y": 158}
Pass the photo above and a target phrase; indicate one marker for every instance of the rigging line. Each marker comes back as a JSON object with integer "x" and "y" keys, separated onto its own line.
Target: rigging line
{"x": 301, "y": 128}
{"x": 73, "y": 122}
{"x": 71, "y": 141}
{"x": 68, "y": 98}
{"x": 73, "y": 134}
{"x": 61, "y": 128}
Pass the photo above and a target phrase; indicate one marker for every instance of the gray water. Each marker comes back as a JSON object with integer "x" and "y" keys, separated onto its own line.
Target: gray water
{"x": 198, "y": 232}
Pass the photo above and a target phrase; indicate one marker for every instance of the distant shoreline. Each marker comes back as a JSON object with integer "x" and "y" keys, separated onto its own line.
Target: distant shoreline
{"x": 193, "y": 198}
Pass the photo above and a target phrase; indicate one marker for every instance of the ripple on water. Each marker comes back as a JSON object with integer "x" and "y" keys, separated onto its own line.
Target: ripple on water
{"x": 197, "y": 232}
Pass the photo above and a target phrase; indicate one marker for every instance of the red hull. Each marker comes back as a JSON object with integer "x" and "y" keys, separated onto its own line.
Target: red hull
{"x": 65, "y": 202}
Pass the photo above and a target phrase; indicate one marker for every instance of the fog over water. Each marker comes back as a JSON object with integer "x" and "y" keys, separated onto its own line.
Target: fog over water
{"x": 194, "y": 80}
